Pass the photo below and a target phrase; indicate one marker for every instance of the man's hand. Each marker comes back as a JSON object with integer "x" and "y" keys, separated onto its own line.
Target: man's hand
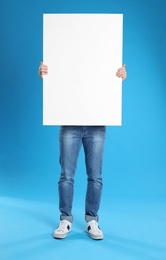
{"x": 121, "y": 72}
{"x": 43, "y": 70}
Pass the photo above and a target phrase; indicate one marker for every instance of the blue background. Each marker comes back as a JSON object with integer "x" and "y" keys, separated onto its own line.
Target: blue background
{"x": 135, "y": 154}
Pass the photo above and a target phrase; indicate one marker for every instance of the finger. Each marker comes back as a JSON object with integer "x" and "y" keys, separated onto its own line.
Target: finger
{"x": 42, "y": 73}
{"x": 43, "y": 66}
{"x": 120, "y": 72}
{"x": 121, "y": 69}
{"x": 43, "y": 69}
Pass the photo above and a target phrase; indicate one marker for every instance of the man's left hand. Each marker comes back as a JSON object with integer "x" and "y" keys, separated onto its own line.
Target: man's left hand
{"x": 121, "y": 72}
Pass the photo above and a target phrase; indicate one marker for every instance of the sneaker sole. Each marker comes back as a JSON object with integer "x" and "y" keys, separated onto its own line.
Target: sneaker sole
{"x": 99, "y": 237}
{"x": 61, "y": 236}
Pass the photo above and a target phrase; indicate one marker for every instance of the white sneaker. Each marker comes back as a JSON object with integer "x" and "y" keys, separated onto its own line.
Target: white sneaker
{"x": 93, "y": 230}
{"x": 63, "y": 229}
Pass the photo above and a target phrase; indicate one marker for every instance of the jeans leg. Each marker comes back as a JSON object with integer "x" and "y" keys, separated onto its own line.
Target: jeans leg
{"x": 70, "y": 144}
{"x": 93, "y": 142}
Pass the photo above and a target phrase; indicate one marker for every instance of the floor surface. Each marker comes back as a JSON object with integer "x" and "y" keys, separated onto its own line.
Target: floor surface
{"x": 133, "y": 230}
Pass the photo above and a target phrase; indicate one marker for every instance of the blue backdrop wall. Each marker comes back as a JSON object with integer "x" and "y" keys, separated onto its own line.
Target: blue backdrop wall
{"x": 135, "y": 154}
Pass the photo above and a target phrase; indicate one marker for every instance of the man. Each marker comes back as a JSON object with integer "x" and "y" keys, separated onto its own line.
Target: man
{"x": 71, "y": 139}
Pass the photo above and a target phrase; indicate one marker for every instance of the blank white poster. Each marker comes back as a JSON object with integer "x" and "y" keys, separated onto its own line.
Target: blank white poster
{"x": 83, "y": 53}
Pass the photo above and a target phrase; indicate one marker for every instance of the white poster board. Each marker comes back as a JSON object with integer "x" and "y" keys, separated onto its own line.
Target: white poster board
{"x": 83, "y": 53}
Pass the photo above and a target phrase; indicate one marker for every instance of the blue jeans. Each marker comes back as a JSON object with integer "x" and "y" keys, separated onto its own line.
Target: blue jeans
{"x": 71, "y": 140}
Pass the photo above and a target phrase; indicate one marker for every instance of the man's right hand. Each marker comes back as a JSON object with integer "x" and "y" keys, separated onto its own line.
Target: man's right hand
{"x": 43, "y": 70}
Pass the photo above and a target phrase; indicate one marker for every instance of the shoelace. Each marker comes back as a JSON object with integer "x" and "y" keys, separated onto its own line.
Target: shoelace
{"x": 94, "y": 227}
{"x": 62, "y": 226}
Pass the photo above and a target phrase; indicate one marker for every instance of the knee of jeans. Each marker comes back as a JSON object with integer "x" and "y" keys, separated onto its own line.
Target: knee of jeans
{"x": 66, "y": 177}
{"x": 95, "y": 181}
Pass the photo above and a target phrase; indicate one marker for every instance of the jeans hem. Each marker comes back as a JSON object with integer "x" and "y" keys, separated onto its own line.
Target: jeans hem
{"x": 89, "y": 218}
{"x": 68, "y": 218}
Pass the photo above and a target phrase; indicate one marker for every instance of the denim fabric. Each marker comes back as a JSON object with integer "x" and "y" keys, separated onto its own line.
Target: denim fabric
{"x": 71, "y": 139}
